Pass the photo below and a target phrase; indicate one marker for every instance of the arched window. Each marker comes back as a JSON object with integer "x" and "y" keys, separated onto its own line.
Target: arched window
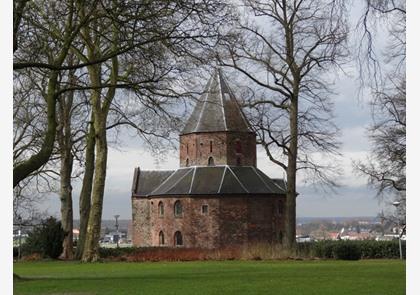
{"x": 238, "y": 147}
{"x": 211, "y": 161}
{"x": 211, "y": 146}
{"x": 280, "y": 208}
{"x": 161, "y": 238}
{"x": 238, "y": 161}
{"x": 160, "y": 209}
{"x": 178, "y": 209}
{"x": 280, "y": 237}
{"x": 178, "y": 239}
{"x": 187, "y": 162}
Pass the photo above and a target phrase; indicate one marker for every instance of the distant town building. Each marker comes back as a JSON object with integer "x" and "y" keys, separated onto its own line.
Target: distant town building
{"x": 75, "y": 234}
{"x": 218, "y": 197}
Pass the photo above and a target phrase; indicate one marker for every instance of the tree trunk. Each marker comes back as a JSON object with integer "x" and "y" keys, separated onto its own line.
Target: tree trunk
{"x": 85, "y": 193}
{"x": 90, "y": 253}
{"x": 290, "y": 236}
{"x": 66, "y": 203}
{"x": 18, "y": 9}
{"x": 24, "y": 169}
{"x": 64, "y": 139}
{"x": 100, "y": 113}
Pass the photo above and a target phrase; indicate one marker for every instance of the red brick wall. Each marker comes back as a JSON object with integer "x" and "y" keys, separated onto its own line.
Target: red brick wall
{"x": 230, "y": 221}
{"x": 222, "y": 146}
{"x": 141, "y": 222}
{"x": 247, "y": 152}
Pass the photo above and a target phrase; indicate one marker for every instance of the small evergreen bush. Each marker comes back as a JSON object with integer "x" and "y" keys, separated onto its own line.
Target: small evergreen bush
{"x": 46, "y": 240}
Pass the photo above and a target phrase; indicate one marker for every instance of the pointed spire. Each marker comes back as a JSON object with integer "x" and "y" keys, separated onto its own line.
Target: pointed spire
{"x": 217, "y": 109}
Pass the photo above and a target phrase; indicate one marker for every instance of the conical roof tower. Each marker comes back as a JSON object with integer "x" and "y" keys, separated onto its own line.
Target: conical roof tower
{"x": 217, "y": 110}
{"x": 217, "y": 132}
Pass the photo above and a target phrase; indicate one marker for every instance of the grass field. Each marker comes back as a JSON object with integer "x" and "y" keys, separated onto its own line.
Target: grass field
{"x": 213, "y": 277}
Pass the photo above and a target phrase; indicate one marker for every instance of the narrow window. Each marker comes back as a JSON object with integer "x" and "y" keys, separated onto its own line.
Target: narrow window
{"x": 187, "y": 150}
{"x": 238, "y": 161}
{"x": 187, "y": 162}
{"x": 161, "y": 238}
{"x": 160, "y": 209}
{"x": 205, "y": 209}
{"x": 211, "y": 146}
{"x": 211, "y": 162}
{"x": 178, "y": 239}
{"x": 280, "y": 208}
{"x": 178, "y": 209}
{"x": 238, "y": 147}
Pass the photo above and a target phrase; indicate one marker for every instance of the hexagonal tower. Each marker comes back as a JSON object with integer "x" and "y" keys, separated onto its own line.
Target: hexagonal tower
{"x": 217, "y": 132}
{"x": 218, "y": 197}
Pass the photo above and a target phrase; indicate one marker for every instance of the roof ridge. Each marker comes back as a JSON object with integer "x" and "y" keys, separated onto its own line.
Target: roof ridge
{"x": 207, "y": 91}
{"x": 236, "y": 177}
{"x": 192, "y": 179}
{"x": 266, "y": 185}
{"x": 221, "y": 97}
{"x": 168, "y": 179}
{"x": 239, "y": 107}
{"x": 222, "y": 180}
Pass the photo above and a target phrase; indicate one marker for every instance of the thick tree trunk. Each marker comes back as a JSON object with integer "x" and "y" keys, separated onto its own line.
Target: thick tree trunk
{"x": 290, "y": 235}
{"x": 64, "y": 139}
{"x": 66, "y": 204}
{"x": 85, "y": 193}
{"x": 24, "y": 169}
{"x": 18, "y": 9}
{"x": 100, "y": 111}
{"x": 90, "y": 253}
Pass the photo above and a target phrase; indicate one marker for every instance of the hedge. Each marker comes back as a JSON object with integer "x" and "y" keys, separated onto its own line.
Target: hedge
{"x": 345, "y": 250}
{"x": 351, "y": 250}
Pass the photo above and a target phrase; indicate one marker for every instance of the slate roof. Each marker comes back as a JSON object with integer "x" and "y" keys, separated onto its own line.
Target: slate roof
{"x": 144, "y": 182}
{"x": 217, "y": 109}
{"x": 202, "y": 180}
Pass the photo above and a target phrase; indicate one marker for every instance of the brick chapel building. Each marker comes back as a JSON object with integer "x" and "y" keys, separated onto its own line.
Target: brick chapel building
{"x": 218, "y": 197}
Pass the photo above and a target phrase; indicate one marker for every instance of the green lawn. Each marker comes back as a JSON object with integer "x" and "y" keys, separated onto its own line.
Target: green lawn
{"x": 227, "y": 277}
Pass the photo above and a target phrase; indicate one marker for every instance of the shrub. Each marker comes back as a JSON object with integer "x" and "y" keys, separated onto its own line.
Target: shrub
{"x": 381, "y": 249}
{"x": 15, "y": 252}
{"x": 323, "y": 249}
{"x": 134, "y": 254}
{"x": 366, "y": 249}
{"x": 46, "y": 240}
{"x": 346, "y": 250}
{"x": 265, "y": 251}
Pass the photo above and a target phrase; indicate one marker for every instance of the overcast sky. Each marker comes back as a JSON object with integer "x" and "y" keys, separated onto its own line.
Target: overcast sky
{"x": 354, "y": 198}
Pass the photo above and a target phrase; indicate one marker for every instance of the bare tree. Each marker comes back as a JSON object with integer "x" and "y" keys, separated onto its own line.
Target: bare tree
{"x": 385, "y": 72}
{"x": 164, "y": 36}
{"x": 288, "y": 52}
{"x": 46, "y": 32}
{"x": 29, "y": 121}
{"x": 381, "y": 19}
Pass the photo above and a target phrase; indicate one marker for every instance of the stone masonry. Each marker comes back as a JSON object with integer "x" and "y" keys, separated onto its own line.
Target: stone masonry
{"x": 218, "y": 197}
